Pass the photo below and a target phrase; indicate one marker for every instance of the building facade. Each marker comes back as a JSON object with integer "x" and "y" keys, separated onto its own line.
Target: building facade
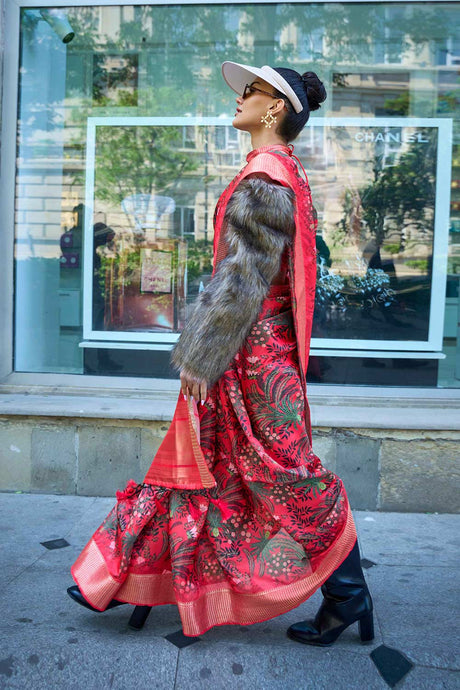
{"x": 116, "y": 144}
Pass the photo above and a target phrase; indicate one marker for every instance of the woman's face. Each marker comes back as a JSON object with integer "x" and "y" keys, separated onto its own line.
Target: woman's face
{"x": 254, "y": 106}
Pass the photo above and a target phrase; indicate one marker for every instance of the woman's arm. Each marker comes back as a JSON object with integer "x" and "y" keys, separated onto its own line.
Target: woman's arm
{"x": 259, "y": 222}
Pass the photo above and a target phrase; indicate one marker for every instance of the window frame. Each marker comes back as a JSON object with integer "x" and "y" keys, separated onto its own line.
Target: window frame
{"x": 32, "y": 382}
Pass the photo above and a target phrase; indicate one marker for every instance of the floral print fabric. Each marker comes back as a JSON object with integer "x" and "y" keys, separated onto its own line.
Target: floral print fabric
{"x": 275, "y": 510}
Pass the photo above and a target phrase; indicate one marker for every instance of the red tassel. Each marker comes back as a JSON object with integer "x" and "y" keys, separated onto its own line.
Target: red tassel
{"x": 132, "y": 488}
{"x": 224, "y": 508}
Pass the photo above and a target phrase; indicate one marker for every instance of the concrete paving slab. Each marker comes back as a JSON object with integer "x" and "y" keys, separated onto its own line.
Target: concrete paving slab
{"x": 41, "y": 516}
{"x": 38, "y": 593}
{"x": 9, "y": 570}
{"x": 357, "y": 466}
{"x": 15, "y": 466}
{"x": 413, "y": 588}
{"x": 38, "y": 598}
{"x": 163, "y": 620}
{"x": 414, "y": 607}
{"x": 27, "y": 520}
{"x": 423, "y": 678}
{"x": 409, "y": 538}
{"x": 424, "y": 636}
{"x": 409, "y": 585}
{"x": 53, "y": 459}
{"x": 221, "y": 665}
{"x": 51, "y": 661}
{"x": 107, "y": 458}
{"x": 409, "y": 468}
{"x": 84, "y": 528}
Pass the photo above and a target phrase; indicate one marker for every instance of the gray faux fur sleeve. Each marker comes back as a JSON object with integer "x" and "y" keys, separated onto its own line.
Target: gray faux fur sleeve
{"x": 260, "y": 222}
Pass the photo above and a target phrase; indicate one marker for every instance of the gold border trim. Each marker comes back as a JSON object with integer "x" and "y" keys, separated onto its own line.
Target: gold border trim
{"x": 217, "y": 604}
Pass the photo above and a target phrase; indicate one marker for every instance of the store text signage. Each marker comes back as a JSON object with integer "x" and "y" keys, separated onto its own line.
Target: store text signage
{"x": 388, "y": 137}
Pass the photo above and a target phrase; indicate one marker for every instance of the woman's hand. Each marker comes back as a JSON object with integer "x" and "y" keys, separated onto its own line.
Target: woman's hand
{"x": 196, "y": 388}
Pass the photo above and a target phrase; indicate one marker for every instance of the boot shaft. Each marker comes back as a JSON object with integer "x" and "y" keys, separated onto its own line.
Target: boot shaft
{"x": 348, "y": 579}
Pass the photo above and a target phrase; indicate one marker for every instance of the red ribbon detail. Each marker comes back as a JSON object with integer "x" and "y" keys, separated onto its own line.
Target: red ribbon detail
{"x": 161, "y": 510}
{"x": 223, "y": 507}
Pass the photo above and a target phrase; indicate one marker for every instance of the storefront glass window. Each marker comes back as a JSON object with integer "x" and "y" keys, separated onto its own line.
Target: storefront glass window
{"x": 125, "y": 144}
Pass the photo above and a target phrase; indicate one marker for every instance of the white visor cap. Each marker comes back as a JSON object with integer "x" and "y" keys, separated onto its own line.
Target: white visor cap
{"x": 237, "y": 76}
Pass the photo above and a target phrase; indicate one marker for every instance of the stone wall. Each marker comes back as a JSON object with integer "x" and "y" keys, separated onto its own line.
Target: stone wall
{"x": 382, "y": 469}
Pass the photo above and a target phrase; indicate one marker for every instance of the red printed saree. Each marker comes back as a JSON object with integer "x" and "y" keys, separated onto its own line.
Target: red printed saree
{"x": 236, "y": 521}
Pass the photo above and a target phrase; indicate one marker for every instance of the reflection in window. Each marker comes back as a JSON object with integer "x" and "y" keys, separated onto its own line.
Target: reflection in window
{"x": 377, "y": 60}
{"x": 188, "y": 137}
{"x": 391, "y": 46}
{"x": 184, "y": 222}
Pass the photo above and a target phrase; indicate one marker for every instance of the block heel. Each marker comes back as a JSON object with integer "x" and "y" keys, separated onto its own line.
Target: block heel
{"x": 346, "y": 600}
{"x": 366, "y": 627}
{"x": 138, "y": 617}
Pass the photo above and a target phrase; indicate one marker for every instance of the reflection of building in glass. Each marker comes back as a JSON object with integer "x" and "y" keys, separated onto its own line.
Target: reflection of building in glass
{"x": 375, "y": 58}
{"x": 383, "y": 38}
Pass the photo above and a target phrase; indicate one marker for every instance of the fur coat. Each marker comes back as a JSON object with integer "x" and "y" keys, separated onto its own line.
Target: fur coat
{"x": 259, "y": 222}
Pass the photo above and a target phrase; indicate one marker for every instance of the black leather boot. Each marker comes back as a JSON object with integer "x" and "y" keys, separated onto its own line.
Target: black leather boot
{"x": 346, "y": 600}
{"x": 138, "y": 617}
{"x": 75, "y": 594}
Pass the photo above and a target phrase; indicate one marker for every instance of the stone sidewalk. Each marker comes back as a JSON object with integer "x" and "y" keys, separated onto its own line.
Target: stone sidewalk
{"x": 411, "y": 565}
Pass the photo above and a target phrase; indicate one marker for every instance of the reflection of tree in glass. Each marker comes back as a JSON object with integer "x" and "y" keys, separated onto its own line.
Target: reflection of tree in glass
{"x": 174, "y": 43}
{"x": 351, "y": 31}
{"x": 121, "y": 76}
{"x": 399, "y": 105}
{"x": 138, "y": 160}
{"x": 400, "y": 197}
{"x": 199, "y": 259}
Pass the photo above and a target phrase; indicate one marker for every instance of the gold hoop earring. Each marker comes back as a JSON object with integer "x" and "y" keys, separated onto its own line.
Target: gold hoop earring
{"x": 268, "y": 119}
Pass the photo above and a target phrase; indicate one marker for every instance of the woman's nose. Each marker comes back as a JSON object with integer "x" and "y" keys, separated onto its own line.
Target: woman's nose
{"x": 239, "y": 100}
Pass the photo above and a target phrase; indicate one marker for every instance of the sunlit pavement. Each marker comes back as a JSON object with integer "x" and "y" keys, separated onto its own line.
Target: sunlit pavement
{"x": 411, "y": 566}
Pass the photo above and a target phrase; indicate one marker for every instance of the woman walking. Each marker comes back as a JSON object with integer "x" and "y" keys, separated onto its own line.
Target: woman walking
{"x": 237, "y": 521}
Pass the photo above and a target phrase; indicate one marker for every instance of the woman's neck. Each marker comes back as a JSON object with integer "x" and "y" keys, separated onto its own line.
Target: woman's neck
{"x": 265, "y": 137}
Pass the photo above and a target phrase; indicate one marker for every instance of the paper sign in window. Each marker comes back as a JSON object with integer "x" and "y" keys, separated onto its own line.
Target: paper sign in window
{"x": 156, "y": 271}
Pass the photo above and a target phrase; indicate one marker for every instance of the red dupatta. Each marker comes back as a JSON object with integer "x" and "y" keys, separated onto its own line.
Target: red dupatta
{"x": 277, "y": 162}
{"x": 179, "y": 462}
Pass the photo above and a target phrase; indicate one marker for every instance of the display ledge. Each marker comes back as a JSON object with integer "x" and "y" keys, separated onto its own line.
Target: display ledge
{"x": 315, "y": 351}
{"x": 155, "y": 399}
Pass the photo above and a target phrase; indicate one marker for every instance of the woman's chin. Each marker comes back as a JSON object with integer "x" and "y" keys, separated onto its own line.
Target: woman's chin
{"x": 237, "y": 124}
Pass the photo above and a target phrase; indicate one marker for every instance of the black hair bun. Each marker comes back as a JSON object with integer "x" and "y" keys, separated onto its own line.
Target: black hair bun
{"x": 314, "y": 88}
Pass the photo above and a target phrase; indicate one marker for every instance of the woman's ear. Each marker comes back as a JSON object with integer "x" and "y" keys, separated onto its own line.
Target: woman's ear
{"x": 278, "y": 107}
